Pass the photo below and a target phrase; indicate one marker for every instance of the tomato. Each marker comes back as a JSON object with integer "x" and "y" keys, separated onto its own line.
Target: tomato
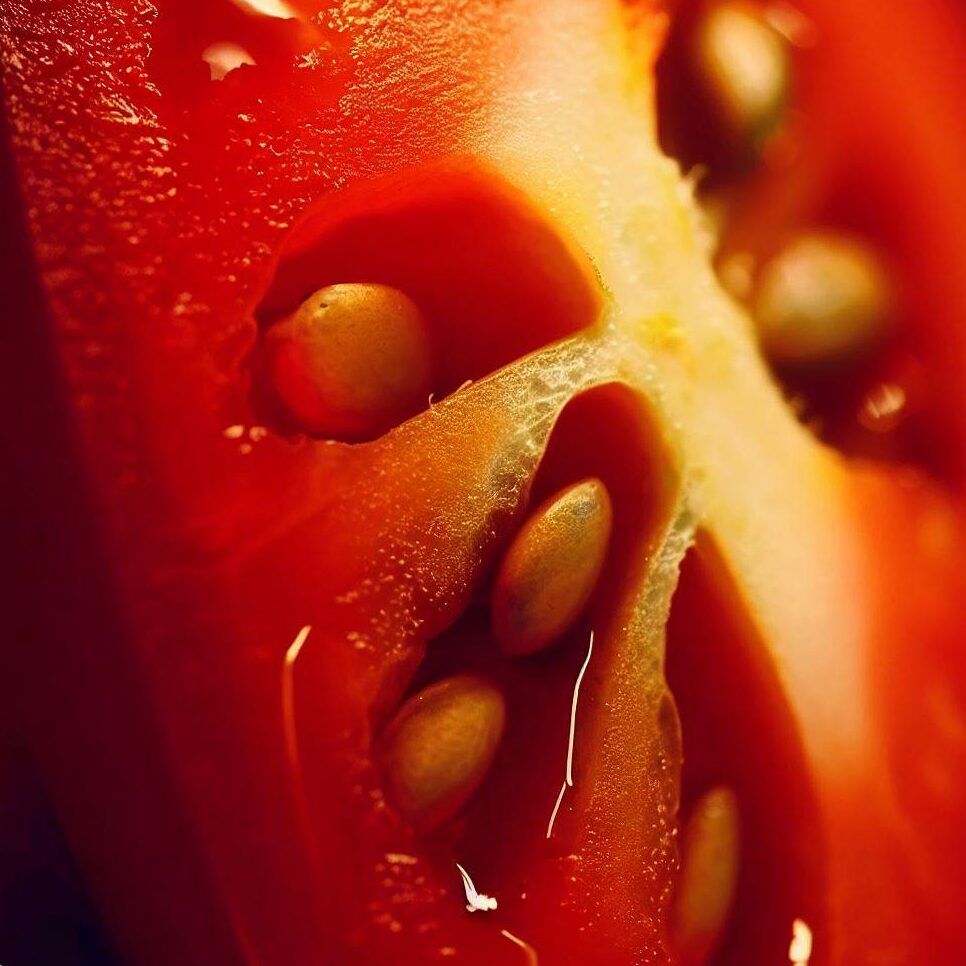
{"x": 225, "y": 615}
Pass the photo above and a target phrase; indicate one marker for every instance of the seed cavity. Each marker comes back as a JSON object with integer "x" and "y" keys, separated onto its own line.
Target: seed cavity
{"x": 745, "y": 64}
{"x": 710, "y": 859}
{"x": 352, "y": 361}
{"x": 824, "y": 297}
{"x": 438, "y": 749}
{"x": 551, "y": 568}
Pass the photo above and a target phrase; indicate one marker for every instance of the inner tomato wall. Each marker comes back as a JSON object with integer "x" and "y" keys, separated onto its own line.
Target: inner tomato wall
{"x": 738, "y": 731}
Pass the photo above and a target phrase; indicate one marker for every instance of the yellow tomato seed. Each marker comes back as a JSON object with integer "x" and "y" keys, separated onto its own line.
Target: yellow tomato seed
{"x": 745, "y": 64}
{"x": 352, "y": 361}
{"x": 439, "y": 747}
{"x": 710, "y": 859}
{"x": 552, "y": 567}
{"x": 823, "y": 297}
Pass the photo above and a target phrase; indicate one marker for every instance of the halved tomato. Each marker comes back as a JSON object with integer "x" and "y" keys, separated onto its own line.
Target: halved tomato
{"x": 281, "y": 711}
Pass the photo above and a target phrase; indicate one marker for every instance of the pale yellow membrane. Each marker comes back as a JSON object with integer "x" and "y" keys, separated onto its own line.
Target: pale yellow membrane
{"x": 754, "y": 479}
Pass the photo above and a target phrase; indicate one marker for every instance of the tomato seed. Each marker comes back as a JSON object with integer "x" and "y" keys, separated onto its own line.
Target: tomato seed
{"x": 710, "y": 858}
{"x": 745, "y": 64}
{"x": 551, "y": 568}
{"x": 439, "y": 747}
{"x": 351, "y": 361}
{"x": 822, "y": 298}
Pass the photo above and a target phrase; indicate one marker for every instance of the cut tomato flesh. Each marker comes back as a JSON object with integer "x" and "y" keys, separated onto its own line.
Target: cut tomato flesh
{"x": 269, "y": 599}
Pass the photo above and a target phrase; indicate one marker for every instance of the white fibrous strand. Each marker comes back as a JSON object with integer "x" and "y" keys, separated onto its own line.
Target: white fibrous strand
{"x": 475, "y": 901}
{"x": 569, "y": 779}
